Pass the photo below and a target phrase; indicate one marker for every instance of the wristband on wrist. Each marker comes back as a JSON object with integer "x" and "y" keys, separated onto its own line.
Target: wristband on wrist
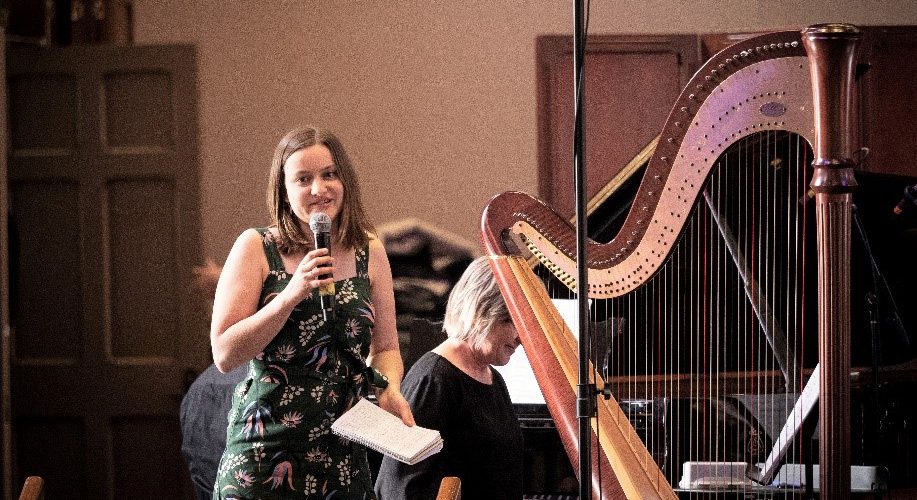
{"x": 378, "y": 379}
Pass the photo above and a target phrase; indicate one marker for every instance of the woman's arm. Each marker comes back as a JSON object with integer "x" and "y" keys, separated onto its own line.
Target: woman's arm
{"x": 384, "y": 353}
{"x": 239, "y": 330}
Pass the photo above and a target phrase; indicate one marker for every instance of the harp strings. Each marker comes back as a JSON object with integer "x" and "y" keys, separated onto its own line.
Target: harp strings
{"x": 706, "y": 358}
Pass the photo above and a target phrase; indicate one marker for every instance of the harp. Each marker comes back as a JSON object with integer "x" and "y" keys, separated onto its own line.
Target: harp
{"x": 724, "y": 288}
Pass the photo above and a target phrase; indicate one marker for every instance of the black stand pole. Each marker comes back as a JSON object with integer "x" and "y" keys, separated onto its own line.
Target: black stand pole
{"x": 873, "y": 309}
{"x": 585, "y": 390}
{"x": 879, "y": 283}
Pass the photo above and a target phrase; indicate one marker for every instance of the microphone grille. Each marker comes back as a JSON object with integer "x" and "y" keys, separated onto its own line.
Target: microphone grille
{"x": 320, "y": 222}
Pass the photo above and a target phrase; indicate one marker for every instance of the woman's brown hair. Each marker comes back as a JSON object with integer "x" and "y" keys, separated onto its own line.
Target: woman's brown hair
{"x": 353, "y": 226}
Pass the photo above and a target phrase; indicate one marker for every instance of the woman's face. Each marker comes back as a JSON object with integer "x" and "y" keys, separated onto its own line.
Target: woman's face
{"x": 499, "y": 344}
{"x": 312, "y": 183}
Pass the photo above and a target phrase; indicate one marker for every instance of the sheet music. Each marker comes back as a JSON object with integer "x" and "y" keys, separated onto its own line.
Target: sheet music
{"x": 569, "y": 311}
{"x": 520, "y": 380}
{"x": 518, "y": 374}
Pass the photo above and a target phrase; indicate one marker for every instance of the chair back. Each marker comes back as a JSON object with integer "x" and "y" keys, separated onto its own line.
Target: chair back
{"x": 33, "y": 489}
{"x": 450, "y": 488}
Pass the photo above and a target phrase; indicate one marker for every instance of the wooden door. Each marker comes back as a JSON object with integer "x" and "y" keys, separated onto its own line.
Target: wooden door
{"x": 103, "y": 181}
{"x": 6, "y": 437}
{"x": 632, "y": 81}
{"x": 889, "y": 95}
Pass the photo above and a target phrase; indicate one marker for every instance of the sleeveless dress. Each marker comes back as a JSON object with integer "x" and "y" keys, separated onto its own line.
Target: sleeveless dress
{"x": 279, "y": 442}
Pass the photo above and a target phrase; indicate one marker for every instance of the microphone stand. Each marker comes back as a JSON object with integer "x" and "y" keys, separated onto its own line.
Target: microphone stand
{"x": 873, "y": 314}
{"x": 585, "y": 407}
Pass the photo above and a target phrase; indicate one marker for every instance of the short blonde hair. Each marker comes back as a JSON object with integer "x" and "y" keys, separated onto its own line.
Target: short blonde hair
{"x": 475, "y": 304}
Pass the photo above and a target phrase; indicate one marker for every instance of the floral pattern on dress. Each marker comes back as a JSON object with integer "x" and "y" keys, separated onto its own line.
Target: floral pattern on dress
{"x": 346, "y": 293}
{"x": 279, "y": 440}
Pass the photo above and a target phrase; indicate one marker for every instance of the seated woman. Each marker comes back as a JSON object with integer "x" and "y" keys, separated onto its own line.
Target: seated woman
{"x": 454, "y": 389}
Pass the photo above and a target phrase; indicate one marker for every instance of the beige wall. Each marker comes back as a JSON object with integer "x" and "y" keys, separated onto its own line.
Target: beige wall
{"x": 434, "y": 100}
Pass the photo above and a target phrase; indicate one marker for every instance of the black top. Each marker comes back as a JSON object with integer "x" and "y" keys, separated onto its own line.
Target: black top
{"x": 203, "y": 423}
{"x": 481, "y": 434}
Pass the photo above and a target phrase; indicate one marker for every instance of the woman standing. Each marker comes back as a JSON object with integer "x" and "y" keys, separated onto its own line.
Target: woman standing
{"x": 304, "y": 371}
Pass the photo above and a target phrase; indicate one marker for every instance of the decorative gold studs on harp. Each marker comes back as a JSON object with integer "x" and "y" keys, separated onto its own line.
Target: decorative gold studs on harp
{"x": 564, "y": 277}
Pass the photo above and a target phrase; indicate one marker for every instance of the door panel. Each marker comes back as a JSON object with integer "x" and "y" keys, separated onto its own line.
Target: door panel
{"x": 104, "y": 184}
{"x": 632, "y": 81}
{"x": 53, "y": 280}
{"x": 889, "y": 94}
{"x": 142, "y": 244}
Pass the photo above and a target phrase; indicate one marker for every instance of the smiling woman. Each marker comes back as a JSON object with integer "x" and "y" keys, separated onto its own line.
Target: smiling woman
{"x": 312, "y": 183}
{"x": 298, "y": 152}
{"x": 304, "y": 370}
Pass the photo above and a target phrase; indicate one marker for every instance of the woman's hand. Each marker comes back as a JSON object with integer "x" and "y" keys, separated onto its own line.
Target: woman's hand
{"x": 392, "y": 401}
{"x": 315, "y": 270}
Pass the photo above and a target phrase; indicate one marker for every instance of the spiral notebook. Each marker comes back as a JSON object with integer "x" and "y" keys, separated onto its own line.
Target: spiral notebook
{"x": 379, "y": 430}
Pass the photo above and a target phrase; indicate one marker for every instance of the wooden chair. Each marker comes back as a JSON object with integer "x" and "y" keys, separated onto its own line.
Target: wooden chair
{"x": 33, "y": 489}
{"x": 450, "y": 488}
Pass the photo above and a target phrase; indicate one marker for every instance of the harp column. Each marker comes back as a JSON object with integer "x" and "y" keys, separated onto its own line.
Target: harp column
{"x": 832, "y": 51}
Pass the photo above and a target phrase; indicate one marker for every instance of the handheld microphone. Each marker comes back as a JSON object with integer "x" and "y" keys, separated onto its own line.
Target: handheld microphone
{"x": 909, "y": 198}
{"x": 320, "y": 224}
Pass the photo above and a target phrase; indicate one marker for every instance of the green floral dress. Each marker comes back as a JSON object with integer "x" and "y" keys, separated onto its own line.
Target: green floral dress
{"x": 279, "y": 442}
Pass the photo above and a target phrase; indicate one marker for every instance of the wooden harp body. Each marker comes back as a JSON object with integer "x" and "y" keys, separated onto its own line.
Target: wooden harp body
{"x": 707, "y": 296}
